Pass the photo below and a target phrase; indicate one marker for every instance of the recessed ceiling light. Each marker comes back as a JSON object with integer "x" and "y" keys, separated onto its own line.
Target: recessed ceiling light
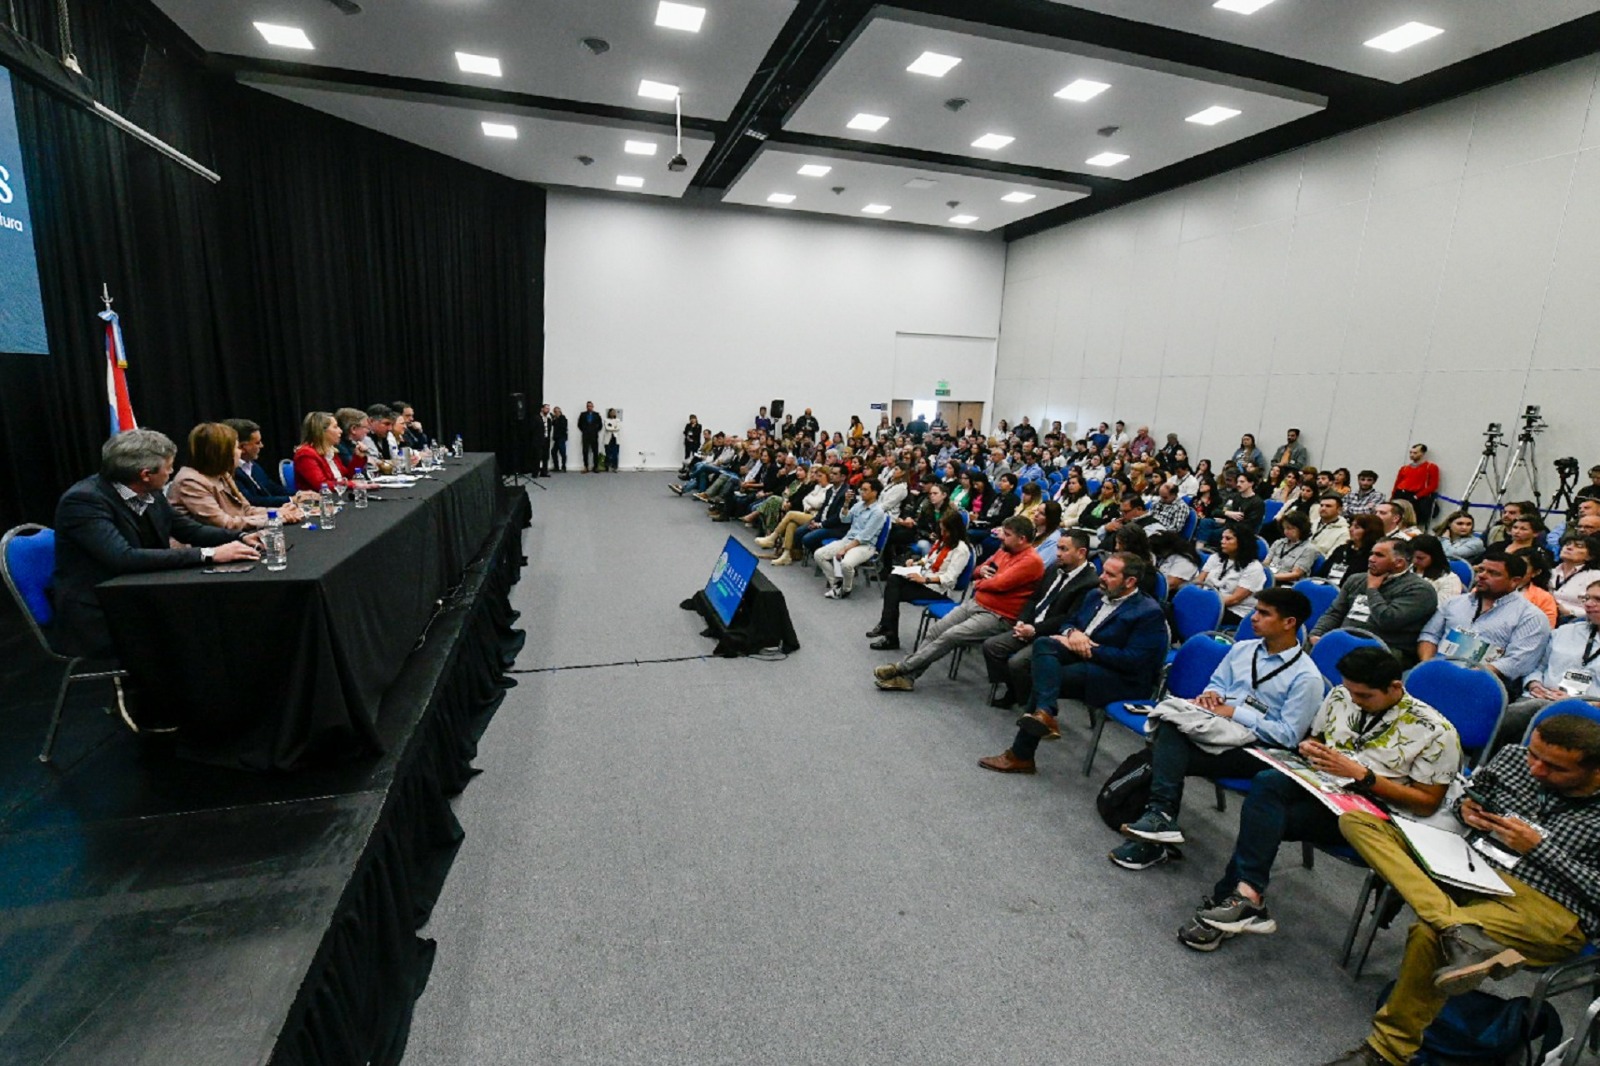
{"x": 1402, "y": 37}
{"x": 992, "y": 141}
{"x": 814, "y": 170}
{"x": 672, "y": 16}
{"x": 933, "y": 64}
{"x": 921, "y": 183}
{"x": 1017, "y": 197}
{"x": 471, "y": 64}
{"x": 657, "y": 90}
{"x": 639, "y": 147}
{"x": 285, "y": 36}
{"x": 1082, "y": 89}
{"x": 963, "y": 220}
{"x": 1213, "y": 115}
{"x": 630, "y": 182}
{"x": 1241, "y": 7}
{"x": 870, "y": 123}
{"x": 1106, "y": 159}
{"x": 781, "y": 198}
{"x": 500, "y": 129}
{"x": 875, "y": 209}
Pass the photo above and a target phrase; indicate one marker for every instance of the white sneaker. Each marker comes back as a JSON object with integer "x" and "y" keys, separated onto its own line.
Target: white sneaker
{"x": 766, "y": 542}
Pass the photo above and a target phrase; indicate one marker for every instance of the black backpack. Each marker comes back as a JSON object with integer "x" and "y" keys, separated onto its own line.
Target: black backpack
{"x": 1126, "y": 792}
{"x": 1481, "y": 1029}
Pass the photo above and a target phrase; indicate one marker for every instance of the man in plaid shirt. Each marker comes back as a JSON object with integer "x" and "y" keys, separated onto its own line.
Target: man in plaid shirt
{"x": 1546, "y": 844}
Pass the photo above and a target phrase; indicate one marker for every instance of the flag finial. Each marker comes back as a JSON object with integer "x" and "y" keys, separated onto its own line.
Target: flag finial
{"x": 105, "y": 295}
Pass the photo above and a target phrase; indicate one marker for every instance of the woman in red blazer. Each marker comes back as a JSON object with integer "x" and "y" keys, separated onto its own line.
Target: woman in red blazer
{"x": 314, "y": 459}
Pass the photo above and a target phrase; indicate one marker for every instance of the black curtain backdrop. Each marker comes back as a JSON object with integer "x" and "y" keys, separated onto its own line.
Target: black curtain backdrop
{"x": 333, "y": 266}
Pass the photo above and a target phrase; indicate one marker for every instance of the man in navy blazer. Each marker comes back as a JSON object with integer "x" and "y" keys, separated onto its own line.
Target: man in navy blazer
{"x": 1112, "y": 650}
{"x": 118, "y": 522}
{"x": 252, "y": 475}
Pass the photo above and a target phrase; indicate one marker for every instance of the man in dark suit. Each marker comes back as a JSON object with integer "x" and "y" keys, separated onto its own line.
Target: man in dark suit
{"x": 118, "y": 522}
{"x": 1112, "y": 650}
{"x": 1009, "y": 656}
{"x": 589, "y": 430}
{"x": 415, "y": 437}
{"x": 543, "y": 427}
{"x": 252, "y": 476}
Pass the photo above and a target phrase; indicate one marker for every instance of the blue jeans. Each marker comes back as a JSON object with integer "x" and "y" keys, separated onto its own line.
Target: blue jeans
{"x": 613, "y": 452}
{"x": 1275, "y": 810}
{"x": 810, "y": 542}
{"x": 1172, "y": 758}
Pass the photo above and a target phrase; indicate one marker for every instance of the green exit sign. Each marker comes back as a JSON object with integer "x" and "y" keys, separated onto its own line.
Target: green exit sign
{"x": 941, "y": 392}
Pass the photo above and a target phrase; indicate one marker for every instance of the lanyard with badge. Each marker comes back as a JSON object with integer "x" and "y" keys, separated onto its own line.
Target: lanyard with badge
{"x": 1256, "y": 680}
{"x": 1576, "y": 681}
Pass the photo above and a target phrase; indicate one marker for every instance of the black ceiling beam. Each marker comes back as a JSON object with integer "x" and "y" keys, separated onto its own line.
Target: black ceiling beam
{"x": 1560, "y": 44}
{"x": 392, "y": 85}
{"x": 915, "y": 158}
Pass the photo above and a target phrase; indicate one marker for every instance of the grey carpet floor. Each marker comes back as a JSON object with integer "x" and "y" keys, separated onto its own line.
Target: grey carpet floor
{"x": 720, "y": 861}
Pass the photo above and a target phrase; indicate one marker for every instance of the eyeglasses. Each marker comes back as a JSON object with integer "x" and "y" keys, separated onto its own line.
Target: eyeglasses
{"x": 1591, "y": 599}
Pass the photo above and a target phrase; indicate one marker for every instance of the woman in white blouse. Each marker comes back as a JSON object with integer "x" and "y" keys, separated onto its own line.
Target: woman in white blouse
{"x": 1237, "y": 574}
{"x": 797, "y": 519}
{"x": 1428, "y": 560}
{"x": 935, "y": 575}
{"x": 610, "y": 430}
{"x": 1574, "y": 572}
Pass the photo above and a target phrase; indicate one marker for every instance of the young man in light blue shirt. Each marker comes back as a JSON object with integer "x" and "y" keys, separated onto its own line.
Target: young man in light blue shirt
{"x": 858, "y": 544}
{"x": 1492, "y": 614}
{"x": 1269, "y": 686}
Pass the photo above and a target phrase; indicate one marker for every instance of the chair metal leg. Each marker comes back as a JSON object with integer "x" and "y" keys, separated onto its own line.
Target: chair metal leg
{"x": 1222, "y": 797}
{"x": 1308, "y": 855}
{"x": 955, "y": 661}
{"x": 1369, "y": 886}
{"x": 1097, "y": 715}
{"x": 55, "y": 713}
{"x": 1385, "y": 895}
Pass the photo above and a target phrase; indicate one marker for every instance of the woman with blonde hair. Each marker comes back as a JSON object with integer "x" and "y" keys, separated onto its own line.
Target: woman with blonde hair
{"x": 205, "y": 490}
{"x": 315, "y": 458}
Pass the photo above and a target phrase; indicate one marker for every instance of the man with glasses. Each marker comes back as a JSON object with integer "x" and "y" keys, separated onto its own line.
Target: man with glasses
{"x": 1571, "y": 668}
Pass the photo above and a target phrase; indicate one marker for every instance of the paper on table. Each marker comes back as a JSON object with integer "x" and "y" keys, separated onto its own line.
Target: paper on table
{"x": 1448, "y": 858}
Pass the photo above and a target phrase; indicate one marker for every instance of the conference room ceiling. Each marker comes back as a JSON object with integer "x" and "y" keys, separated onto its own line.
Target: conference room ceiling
{"x": 1191, "y": 88}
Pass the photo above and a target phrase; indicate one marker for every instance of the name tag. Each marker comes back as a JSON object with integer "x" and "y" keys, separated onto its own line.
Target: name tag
{"x": 1503, "y": 857}
{"x": 1336, "y": 573}
{"x": 1254, "y": 702}
{"x": 1576, "y": 682}
{"x": 1462, "y": 646}
{"x": 1360, "y": 609}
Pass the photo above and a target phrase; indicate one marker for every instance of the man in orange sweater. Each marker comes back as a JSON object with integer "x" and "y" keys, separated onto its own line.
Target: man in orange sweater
{"x": 1000, "y": 589}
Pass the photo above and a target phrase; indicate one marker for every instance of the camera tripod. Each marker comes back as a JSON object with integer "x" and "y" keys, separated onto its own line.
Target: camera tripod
{"x": 1567, "y": 473}
{"x": 1488, "y": 464}
{"x": 1522, "y": 458}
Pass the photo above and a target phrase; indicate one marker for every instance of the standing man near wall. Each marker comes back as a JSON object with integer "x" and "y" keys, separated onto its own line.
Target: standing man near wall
{"x": 589, "y": 430}
{"x": 1418, "y": 481}
{"x": 542, "y": 427}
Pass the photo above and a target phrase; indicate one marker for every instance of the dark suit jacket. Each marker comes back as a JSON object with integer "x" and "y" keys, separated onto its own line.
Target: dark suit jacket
{"x": 558, "y": 429}
{"x": 1063, "y": 606}
{"x": 97, "y": 538}
{"x": 589, "y": 423}
{"x": 260, "y": 487}
{"x": 833, "y": 508}
{"x": 1132, "y": 647}
{"x": 415, "y": 438}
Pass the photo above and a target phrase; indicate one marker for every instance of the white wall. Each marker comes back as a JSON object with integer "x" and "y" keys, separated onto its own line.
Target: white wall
{"x": 1414, "y": 280}
{"x": 665, "y": 308}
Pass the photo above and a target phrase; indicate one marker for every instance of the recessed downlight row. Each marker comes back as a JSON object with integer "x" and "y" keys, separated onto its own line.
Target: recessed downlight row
{"x": 1396, "y": 40}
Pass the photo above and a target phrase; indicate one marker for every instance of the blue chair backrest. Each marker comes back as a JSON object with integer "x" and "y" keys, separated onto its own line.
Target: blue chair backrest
{"x": 1271, "y": 509}
{"x": 1191, "y": 524}
{"x": 1581, "y": 708}
{"x": 1332, "y": 647}
{"x": 1262, "y": 547}
{"x": 1473, "y": 700}
{"x": 30, "y": 569}
{"x": 1195, "y": 610}
{"x": 1462, "y": 569}
{"x": 883, "y": 536}
{"x": 1092, "y": 486}
{"x": 966, "y": 572}
{"x": 1194, "y": 664}
{"x": 286, "y": 473}
{"x": 1320, "y": 595}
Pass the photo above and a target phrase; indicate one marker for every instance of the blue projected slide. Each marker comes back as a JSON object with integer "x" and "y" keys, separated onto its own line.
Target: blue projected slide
{"x": 21, "y": 309}
{"x": 729, "y": 578}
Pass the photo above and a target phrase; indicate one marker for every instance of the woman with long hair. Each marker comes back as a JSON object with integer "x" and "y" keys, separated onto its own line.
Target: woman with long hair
{"x": 1428, "y": 560}
{"x": 1351, "y": 556}
{"x": 1074, "y": 498}
{"x": 936, "y": 574}
{"x": 314, "y": 460}
{"x": 1236, "y": 574}
{"x": 1177, "y": 561}
{"x": 1457, "y": 534}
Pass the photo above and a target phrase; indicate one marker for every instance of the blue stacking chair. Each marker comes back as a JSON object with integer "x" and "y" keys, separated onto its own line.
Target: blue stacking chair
{"x": 28, "y": 564}
{"x": 1192, "y": 524}
{"x": 1270, "y": 510}
{"x": 1195, "y": 610}
{"x": 932, "y": 611}
{"x": 286, "y": 474}
{"x": 1092, "y": 487}
{"x": 877, "y": 552}
{"x": 1581, "y": 708}
{"x": 1333, "y": 646}
{"x": 1462, "y": 569}
{"x": 1191, "y": 668}
{"x": 1321, "y": 596}
{"x": 1262, "y": 547}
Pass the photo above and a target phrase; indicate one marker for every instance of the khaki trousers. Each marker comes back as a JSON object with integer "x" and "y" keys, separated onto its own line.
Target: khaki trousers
{"x": 790, "y": 526}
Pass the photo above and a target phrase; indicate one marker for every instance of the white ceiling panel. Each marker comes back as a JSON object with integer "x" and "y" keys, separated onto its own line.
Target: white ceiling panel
{"x": 866, "y": 181}
{"x": 536, "y": 41}
{"x": 545, "y": 151}
{"x": 1332, "y": 33}
{"x": 1010, "y": 85}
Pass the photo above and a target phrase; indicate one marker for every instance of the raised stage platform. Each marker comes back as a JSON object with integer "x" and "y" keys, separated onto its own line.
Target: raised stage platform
{"x": 154, "y": 910}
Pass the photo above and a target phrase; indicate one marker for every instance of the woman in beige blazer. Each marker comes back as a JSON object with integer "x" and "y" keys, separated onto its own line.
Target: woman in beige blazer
{"x": 205, "y": 491}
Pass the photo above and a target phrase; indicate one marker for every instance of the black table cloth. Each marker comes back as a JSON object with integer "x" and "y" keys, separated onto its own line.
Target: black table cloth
{"x": 269, "y": 670}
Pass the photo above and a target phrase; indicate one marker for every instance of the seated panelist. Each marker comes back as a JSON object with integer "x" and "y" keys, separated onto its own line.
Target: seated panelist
{"x": 205, "y": 489}
{"x": 314, "y": 460}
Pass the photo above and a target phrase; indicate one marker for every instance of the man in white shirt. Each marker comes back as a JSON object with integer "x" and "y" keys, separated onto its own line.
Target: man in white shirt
{"x": 1119, "y": 437}
{"x": 1330, "y": 528}
{"x": 1571, "y": 668}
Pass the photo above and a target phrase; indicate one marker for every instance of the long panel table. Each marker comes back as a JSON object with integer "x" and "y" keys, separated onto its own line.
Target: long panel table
{"x": 271, "y": 670}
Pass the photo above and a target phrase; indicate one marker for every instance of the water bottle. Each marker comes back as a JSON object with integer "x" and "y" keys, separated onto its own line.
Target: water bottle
{"x": 438, "y": 454}
{"x": 329, "y": 508}
{"x": 358, "y": 492}
{"x": 458, "y": 447}
{"x": 274, "y": 546}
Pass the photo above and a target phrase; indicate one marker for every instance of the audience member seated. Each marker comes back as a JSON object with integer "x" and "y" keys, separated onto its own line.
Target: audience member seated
{"x": 1428, "y": 560}
{"x": 1329, "y": 529}
{"x": 1398, "y": 519}
{"x": 1001, "y": 588}
{"x": 1236, "y": 574}
{"x": 1568, "y": 670}
{"x": 1578, "y": 566}
{"x": 1394, "y": 748}
{"x": 348, "y": 455}
{"x": 255, "y": 479}
{"x": 934, "y": 574}
{"x": 1546, "y": 829}
{"x": 1534, "y": 586}
{"x": 839, "y": 560}
{"x": 1365, "y": 499}
{"x": 1389, "y": 601}
{"x": 1074, "y": 499}
{"x": 205, "y": 491}
{"x": 1177, "y": 562}
{"x": 1112, "y": 650}
{"x": 1248, "y": 454}
{"x": 1500, "y": 532}
{"x": 1292, "y": 555}
{"x": 1130, "y": 513}
{"x": 830, "y": 522}
{"x": 799, "y": 517}
{"x": 990, "y": 508}
{"x": 118, "y": 522}
{"x": 1047, "y": 535}
{"x": 1494, "y": 624}
{"x": 1266, "y": 691}
{"x": 1526, "y": 535}
{"x": 1458, "y": 537}
{"x": 1009, "y": 656}
{"x": 1242, "y": 511}
{"x": 765, "y": 515}
{"x": 314, "y": 462}
{"x": 1107, "y": 506}
{"x": 1351, "y": 556}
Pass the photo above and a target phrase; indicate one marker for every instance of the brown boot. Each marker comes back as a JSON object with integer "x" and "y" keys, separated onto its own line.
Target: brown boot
{"x": 1470, "y": 958}
{"x": 1007, "y": 763}
{"x": 1039, "y": 724}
